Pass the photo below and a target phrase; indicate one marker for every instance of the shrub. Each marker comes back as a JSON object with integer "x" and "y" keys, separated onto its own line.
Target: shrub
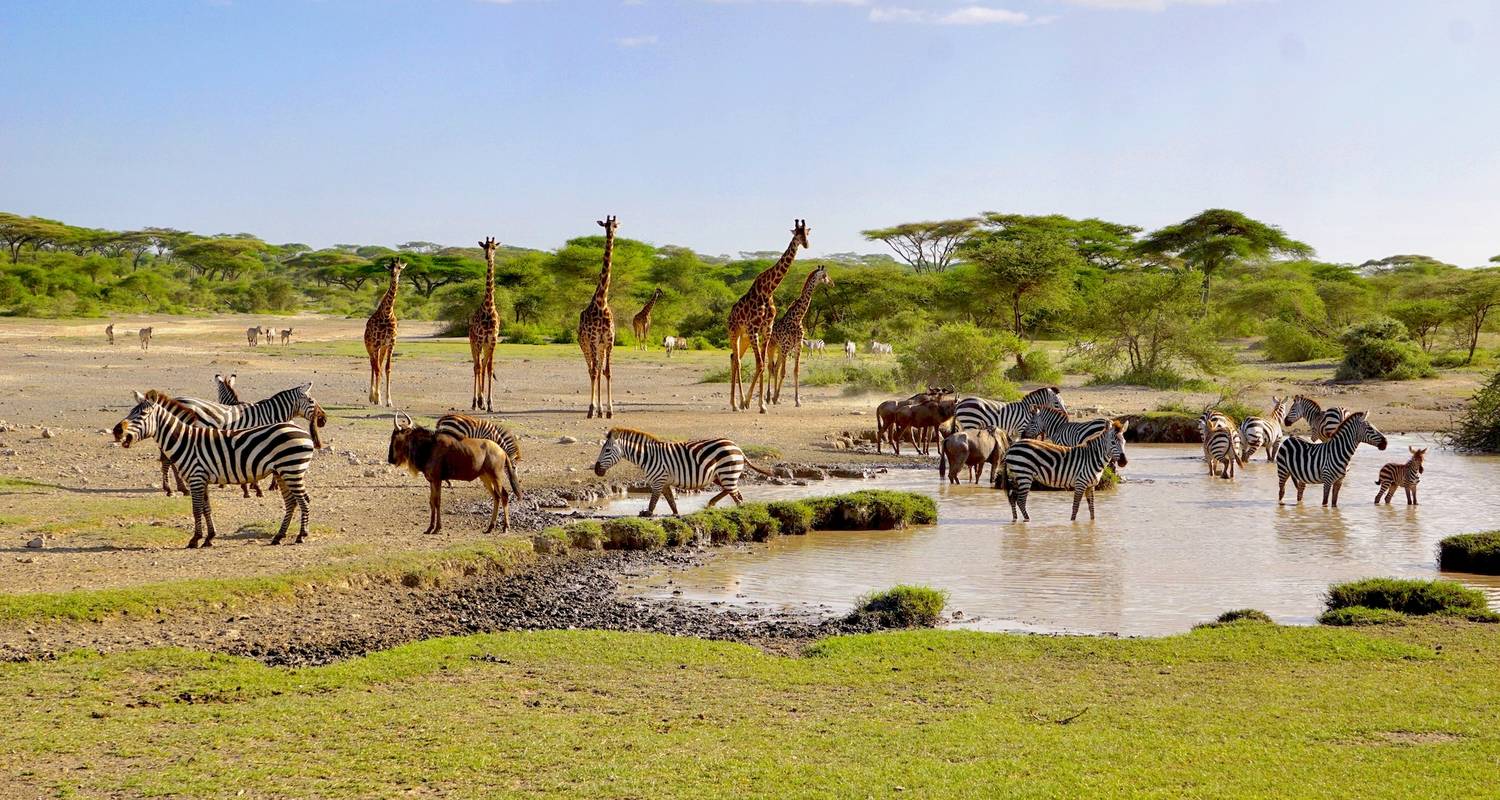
{"x": 1036, "y": 367}
{"x": 719, "y": 375}
{"x": 755, "y": 522}
{"x": 1286, "y": 341}
{"x": 1478, "y": 430}
{"x": 1380, "y": 349}
{"x": 871, "y": 509}
{"x": 678, "y": 531}
{"x": 1408, "y": 596}
{"x": 633, "y": 533}
{"x": 585, "y": 534}
{"x": 961, "y": 355}
{"x": 715, "y": 525}
{"x": 1163, "y": 379}
{"x": 523, "y": 334}
{"x": 1471, "y": 552}
{"x": 699, "y": 343}
{"x": 760, "y": 451}
{"x": 552, "y": 541}
{"x": 1244, "y": 615}
{"x": 902, "y": 606}
{"x": 867, "y": 379}
{"x": 795, "y": 518}
{"x": 1360, "y": 615}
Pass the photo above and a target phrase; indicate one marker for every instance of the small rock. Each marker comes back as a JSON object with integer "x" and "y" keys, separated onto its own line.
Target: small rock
{"x": 37, "y": 544}
{"x": 47, "y": 433}
{"x": 567, "y": 440}
{"x": 370, "y": 473}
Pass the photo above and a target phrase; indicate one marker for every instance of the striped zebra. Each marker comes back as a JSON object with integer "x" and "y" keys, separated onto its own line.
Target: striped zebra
{"x": 228, "y": 395}
{"x": 685, "y": 465}
{"x": 463, "y": 426}
{"x": 977, "y": 412}
{"x": 280, "y": 407}
{"x": 1213, "y": 418}
{"x": 1324, "y": 462}
{"x": 1323, "y": 421}
{"x": 1051, "y": 423}
{"x": 1031, "y": 462}
{"x": 1257, "y": 432}
{"x": 204, "y": 456}
{"x": 1406, "y": 476}
{"x": 1222, "y": 447}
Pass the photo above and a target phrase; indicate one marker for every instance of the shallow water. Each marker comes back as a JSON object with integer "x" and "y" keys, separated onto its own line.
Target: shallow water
{"x": 1170, "y": 548}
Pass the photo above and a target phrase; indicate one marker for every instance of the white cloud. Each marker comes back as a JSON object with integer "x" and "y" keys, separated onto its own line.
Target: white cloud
{"x": 637, "y": 41}
{"x": 1145, "y": 5}
{"x": 967, "y": 15}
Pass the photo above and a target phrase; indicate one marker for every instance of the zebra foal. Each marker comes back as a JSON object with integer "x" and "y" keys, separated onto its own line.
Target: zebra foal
{"x": 1303, "y": 462}
{"x": 683, "y": 465}
{"x": 1406, "y": 476}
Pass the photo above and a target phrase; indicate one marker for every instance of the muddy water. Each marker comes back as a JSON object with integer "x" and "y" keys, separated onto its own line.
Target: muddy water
{"x": 1171, "y": 548}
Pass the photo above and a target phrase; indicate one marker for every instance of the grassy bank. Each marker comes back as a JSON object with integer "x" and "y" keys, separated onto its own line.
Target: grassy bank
{"x": 1239, "y": 710}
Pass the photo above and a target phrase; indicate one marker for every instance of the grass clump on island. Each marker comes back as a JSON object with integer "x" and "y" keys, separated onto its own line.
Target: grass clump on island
{"x": 905, "y": 606}
{"x": 1377, "y": 601}
{"x": 1478, "y": 553}
{"x": 869, "y": 509}
{"x": 1250, "y": 616}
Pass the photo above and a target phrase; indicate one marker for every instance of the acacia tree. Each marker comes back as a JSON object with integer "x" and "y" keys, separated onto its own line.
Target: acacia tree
{"x": 1149, "y": 322}
{"x": 225, "y": 258}
{"x": 1215, "y": 238}
{"x": 925, "y": 246}
{"x": 1103, "y": 244}
{"x": 17, "y": 231}
{"x": 1030, "y": 271}
{"x": 1474, "y": 294}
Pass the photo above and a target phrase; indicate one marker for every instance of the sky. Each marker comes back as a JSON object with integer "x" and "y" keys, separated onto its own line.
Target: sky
{"x": 1362, "y": 127}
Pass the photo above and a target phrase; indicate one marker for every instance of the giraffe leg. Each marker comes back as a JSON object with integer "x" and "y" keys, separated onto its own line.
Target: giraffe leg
{"x": 390, "y": 353}
{"x": 587, "y": 347}
{"x": 609, "y": 384}
{"x": 797, "y": 379}
{"x": 738, "y": 343}
{"x": 489, "y": 378}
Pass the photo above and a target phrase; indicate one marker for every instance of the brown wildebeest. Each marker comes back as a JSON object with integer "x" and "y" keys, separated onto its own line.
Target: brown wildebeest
{"x": 885, "y": 413}
{"x": 439, "y": 457}
{"x": 926, "y": 416}
{"x": 972, "y": 449}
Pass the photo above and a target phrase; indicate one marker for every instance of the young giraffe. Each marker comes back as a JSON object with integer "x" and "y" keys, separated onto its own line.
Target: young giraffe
{"x": 750, "y": 324}
{"x": 380, "y": 335}
{"x": 484, "y": 332}
{"x": 787, "y": 335}
{"x": 641, "y": 324}
{"x": 596, "y": 332}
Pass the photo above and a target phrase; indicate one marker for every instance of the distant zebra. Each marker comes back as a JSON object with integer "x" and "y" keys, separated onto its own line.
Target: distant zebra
{"x": 814, "y": 345}
{"x": 204, "y": 455}
{"x": 1051, "y": 423}
{"x": 286, "y": 335}
{"x": 977, "y": 412}
{"x": 685, "y": 465}
{"x": 850, "y": 350}
{"x": 1325, "y": 462}
{"x": 1030, "y": 462}
{"x": 109, "y": 332}
{"x": 881, "y": 348}
{"x": 1323, "y": 421}
{"x": 146, "y": 334}
{"x": 1407, "y": 476}
{"x": 227, "y": 394}
{"x": 462, "y": 426}
{"x": 280, "y": 407}
{"x": 253, "y": 335}
{"x": 1222, "y": 446}
{"x": 1256, "y": 432}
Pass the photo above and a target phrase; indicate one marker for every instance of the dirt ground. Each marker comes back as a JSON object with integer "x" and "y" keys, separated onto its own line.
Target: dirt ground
{"x": 107, "y": 524}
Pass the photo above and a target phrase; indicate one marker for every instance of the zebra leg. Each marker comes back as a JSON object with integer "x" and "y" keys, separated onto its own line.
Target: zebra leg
{"x": 1022, "y": 492}
{"x": 1337, "y": 485}
{"x": 671, "y": 500}
{"x": 302, "y": 504}
{"x": 1379, "y": 490}
{"x": 1088, "y": 494}
{"x": 1411, "y": 494}
{"x": 1301, "y": 487}
{"x": 650, "y": 509}
{"x": 288, "y": 503}
{"x": 720, "y": 496}
{"x": 198, "y": 517}
{"x": 1077, "y": 498}
{"x": 1281, "y": 488}
{"x": 1327, "y": 487}
{"x": 208, "y": 519}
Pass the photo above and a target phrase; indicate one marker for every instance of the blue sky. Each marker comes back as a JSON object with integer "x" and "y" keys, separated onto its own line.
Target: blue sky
{"x": 1364, "y": 127}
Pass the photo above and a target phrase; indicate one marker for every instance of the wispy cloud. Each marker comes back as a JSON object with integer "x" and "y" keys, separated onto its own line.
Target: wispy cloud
{"x": 1146, "y": 5}
{"x": 646, "y": 40}
{"x": 966, "y": 15}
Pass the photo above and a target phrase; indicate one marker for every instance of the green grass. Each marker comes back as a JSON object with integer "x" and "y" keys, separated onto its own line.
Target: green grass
{"x": 1227, "y": 712}
{"x": 905, "y": 606}
{"x": 1407, "y": 595}
{"x": 1471, "y": 552}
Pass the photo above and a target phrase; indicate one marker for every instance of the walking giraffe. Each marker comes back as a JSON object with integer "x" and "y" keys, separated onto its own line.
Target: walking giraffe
{"x": 596, "y": 331}
{"x": 484, "y": 332}
{"x": 380, "y": 336}
{"x": 641, "y": 324}
{"x": 786, "y": 337}
{"x": 750, "y": 323}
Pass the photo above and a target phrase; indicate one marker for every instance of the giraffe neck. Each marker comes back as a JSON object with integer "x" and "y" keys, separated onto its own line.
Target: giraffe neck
{"x": 766, "y": 283}
{"x": 651, "y": 304}
{"x": 489, "y": 279}
{"x": 798, "y": 310}
{"x": 388, "y": 301}
{"x": 601, "y": 292}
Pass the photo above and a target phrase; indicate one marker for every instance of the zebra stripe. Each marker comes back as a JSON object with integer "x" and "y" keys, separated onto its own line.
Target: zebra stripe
{"x": 1222, "y": 446}
{"x": 1257, "y": 432}
{"x": 1405, "y": 476}
{"x": 1030, "y": 462}
{"x": 1323, "y": 421}
{"x": 978, "y": 412}
{"x": 283, "y": 406}
{"x": 228, "y": 395}
{"x": 203, "y": 456}
{"x": 684, "y": 465}
{"x": 462, "y": 426}
{"x": 1051, "y": 423}
{"x": 1325, "y": 462}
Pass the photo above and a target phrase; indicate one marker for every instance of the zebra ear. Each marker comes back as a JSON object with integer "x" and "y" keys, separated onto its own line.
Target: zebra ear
{"x": 139, "y": 398}
{"x": 307, "y": 387}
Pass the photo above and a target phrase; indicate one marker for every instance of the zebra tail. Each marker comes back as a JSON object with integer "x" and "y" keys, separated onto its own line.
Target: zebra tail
{"x": 759, "y": 468}
{"x": 510, "y": 475}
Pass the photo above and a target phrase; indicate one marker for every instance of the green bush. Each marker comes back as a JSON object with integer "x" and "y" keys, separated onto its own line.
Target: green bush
{"x": 1036, "y": 367}
{"x": 721, "y": 375}
{"x": 1478, "y": 430}
{"x": 962, "y": 355}
{"x": 794, "y": 517}
{"x": 1380, "y": 349}
{"x": 633, "y": 533}
{"x": 755, "y": 521}
{"x": 868, "y": 379}
{"x": 871, "y": 509}
{"x": 715, "y": 525}
{"x": 1408, "y": 596}
{"x": 1360, "y": 615}
{"x": 585, "y": 534}
{"x": 679, "y": 533}
{"x": 1244, "y": 615}
{"x": 1163, "y": 379}
{"x": 903, "y": 606}
{"x": 1286, "y": 341}
{"x": 1471, "y": 552}
{"x": 552, "y": 541}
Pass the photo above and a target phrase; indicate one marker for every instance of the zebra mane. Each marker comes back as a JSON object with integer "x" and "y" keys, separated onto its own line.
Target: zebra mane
{"x": 1345, "y": 421}
{"x": 1302, "y": 398}
{"x": 172, "y": 404}
{"x": 637, "y": 433}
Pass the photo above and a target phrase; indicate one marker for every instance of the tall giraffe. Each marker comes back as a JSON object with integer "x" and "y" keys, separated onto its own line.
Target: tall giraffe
{"x": 484, "y": 332}
{"x": 596, "y": 332}
{"x": 787, "y": 335}
{"x": 380, "y": 335}
{"x": 641, "y": 324}
{"x": 750, "y": 323}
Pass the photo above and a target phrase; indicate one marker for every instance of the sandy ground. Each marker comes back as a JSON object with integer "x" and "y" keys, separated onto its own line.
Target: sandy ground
{"x": 107, "y": 523}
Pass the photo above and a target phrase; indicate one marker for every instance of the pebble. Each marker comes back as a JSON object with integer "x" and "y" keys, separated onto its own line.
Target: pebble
{"x": 567, "y": 440}
{"x": 37, "y": 544}
{"x": 47, "y": 433}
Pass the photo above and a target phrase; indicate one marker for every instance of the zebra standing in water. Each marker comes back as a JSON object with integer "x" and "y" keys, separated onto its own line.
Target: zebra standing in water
{"x": 1261, "y": 432}
{"x": 1327, "y": 462}
{"x": 1407, "y": 476}
{"x": 462, "y": 426}
{"x": 1213, "y": 418}
{"x": 685, "y": 465}
{"x": 977, "y": 412}
{"x": 1051, "y": 423}
{"x": 1030, "y": 462}
{"x": 1323, "y": 421}
{"x": 1222, "y": 447}
{"x": 205, "y": 455}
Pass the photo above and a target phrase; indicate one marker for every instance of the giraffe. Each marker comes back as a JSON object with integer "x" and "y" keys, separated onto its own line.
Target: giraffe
{"x": 750, "y": 323}
{"x": 642, "y": 321}
{"x": 484, "y": 332}
{"x": 787, "y": 334}
{"x": 596, "y": 332}
{"x": 380, "y": 335}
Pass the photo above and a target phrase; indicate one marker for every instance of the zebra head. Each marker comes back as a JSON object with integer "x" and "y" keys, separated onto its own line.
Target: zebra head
{"x": 610, "y": 454}
{"x": 1114, "y": 442}
{"x": 1303, "y": 408}
{"x": 1040, "y": 419}
{"x": 140, "y": 423}
{"x": 1366, "y": 432}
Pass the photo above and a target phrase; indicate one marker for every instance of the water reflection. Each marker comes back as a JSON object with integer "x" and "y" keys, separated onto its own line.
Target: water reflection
{"x": 1170, "y": 549}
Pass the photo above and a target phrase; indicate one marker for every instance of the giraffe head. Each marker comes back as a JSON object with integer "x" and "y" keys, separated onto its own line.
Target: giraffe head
{"x": 489, "y": 244}
{"x": 656, "y": 295}
{"x": 395, "y": 268}
{"x": 799, "y": 232}
{"x": 610, "y": 224}
{"x": 819, "y": 277}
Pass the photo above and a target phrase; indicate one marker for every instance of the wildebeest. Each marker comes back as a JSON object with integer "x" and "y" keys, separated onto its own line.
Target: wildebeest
{"x": 972, "y": 449}
{"x": 439, "y": 457}
{"x": 927, "y": 416}
{"x": 885, "y": 414}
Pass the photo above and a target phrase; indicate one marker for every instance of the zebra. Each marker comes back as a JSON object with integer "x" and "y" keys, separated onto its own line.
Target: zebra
{"x": 1031, "y": 462}
{"x": 146, "y": 334}
{"x": 1051, "y": 423}
{"x": 286, "y": 335}
{"x": 1213, "y": 418}
{"x": 850, "y": 350}
{"x": 1323, "y": 421}
{"x": 280, "y": 407}
{"x": 881, "y": 348}
{"x": 206, "y": 455}
{"x": 977, "y": 412}
{"x": 109, "y": 332}
{"x": 1407, "y": 476}
{"x": 253, "y": 335}
{"x": 686, "y": 465}
{"x": 1261, "y": 432}
{"x": 462, "y": 426}
{"x": 228, "y": 395}
{"x": 814, "y": 345}
{"x": 1324, "y": 462}
{"x": 1222, "y": 446}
